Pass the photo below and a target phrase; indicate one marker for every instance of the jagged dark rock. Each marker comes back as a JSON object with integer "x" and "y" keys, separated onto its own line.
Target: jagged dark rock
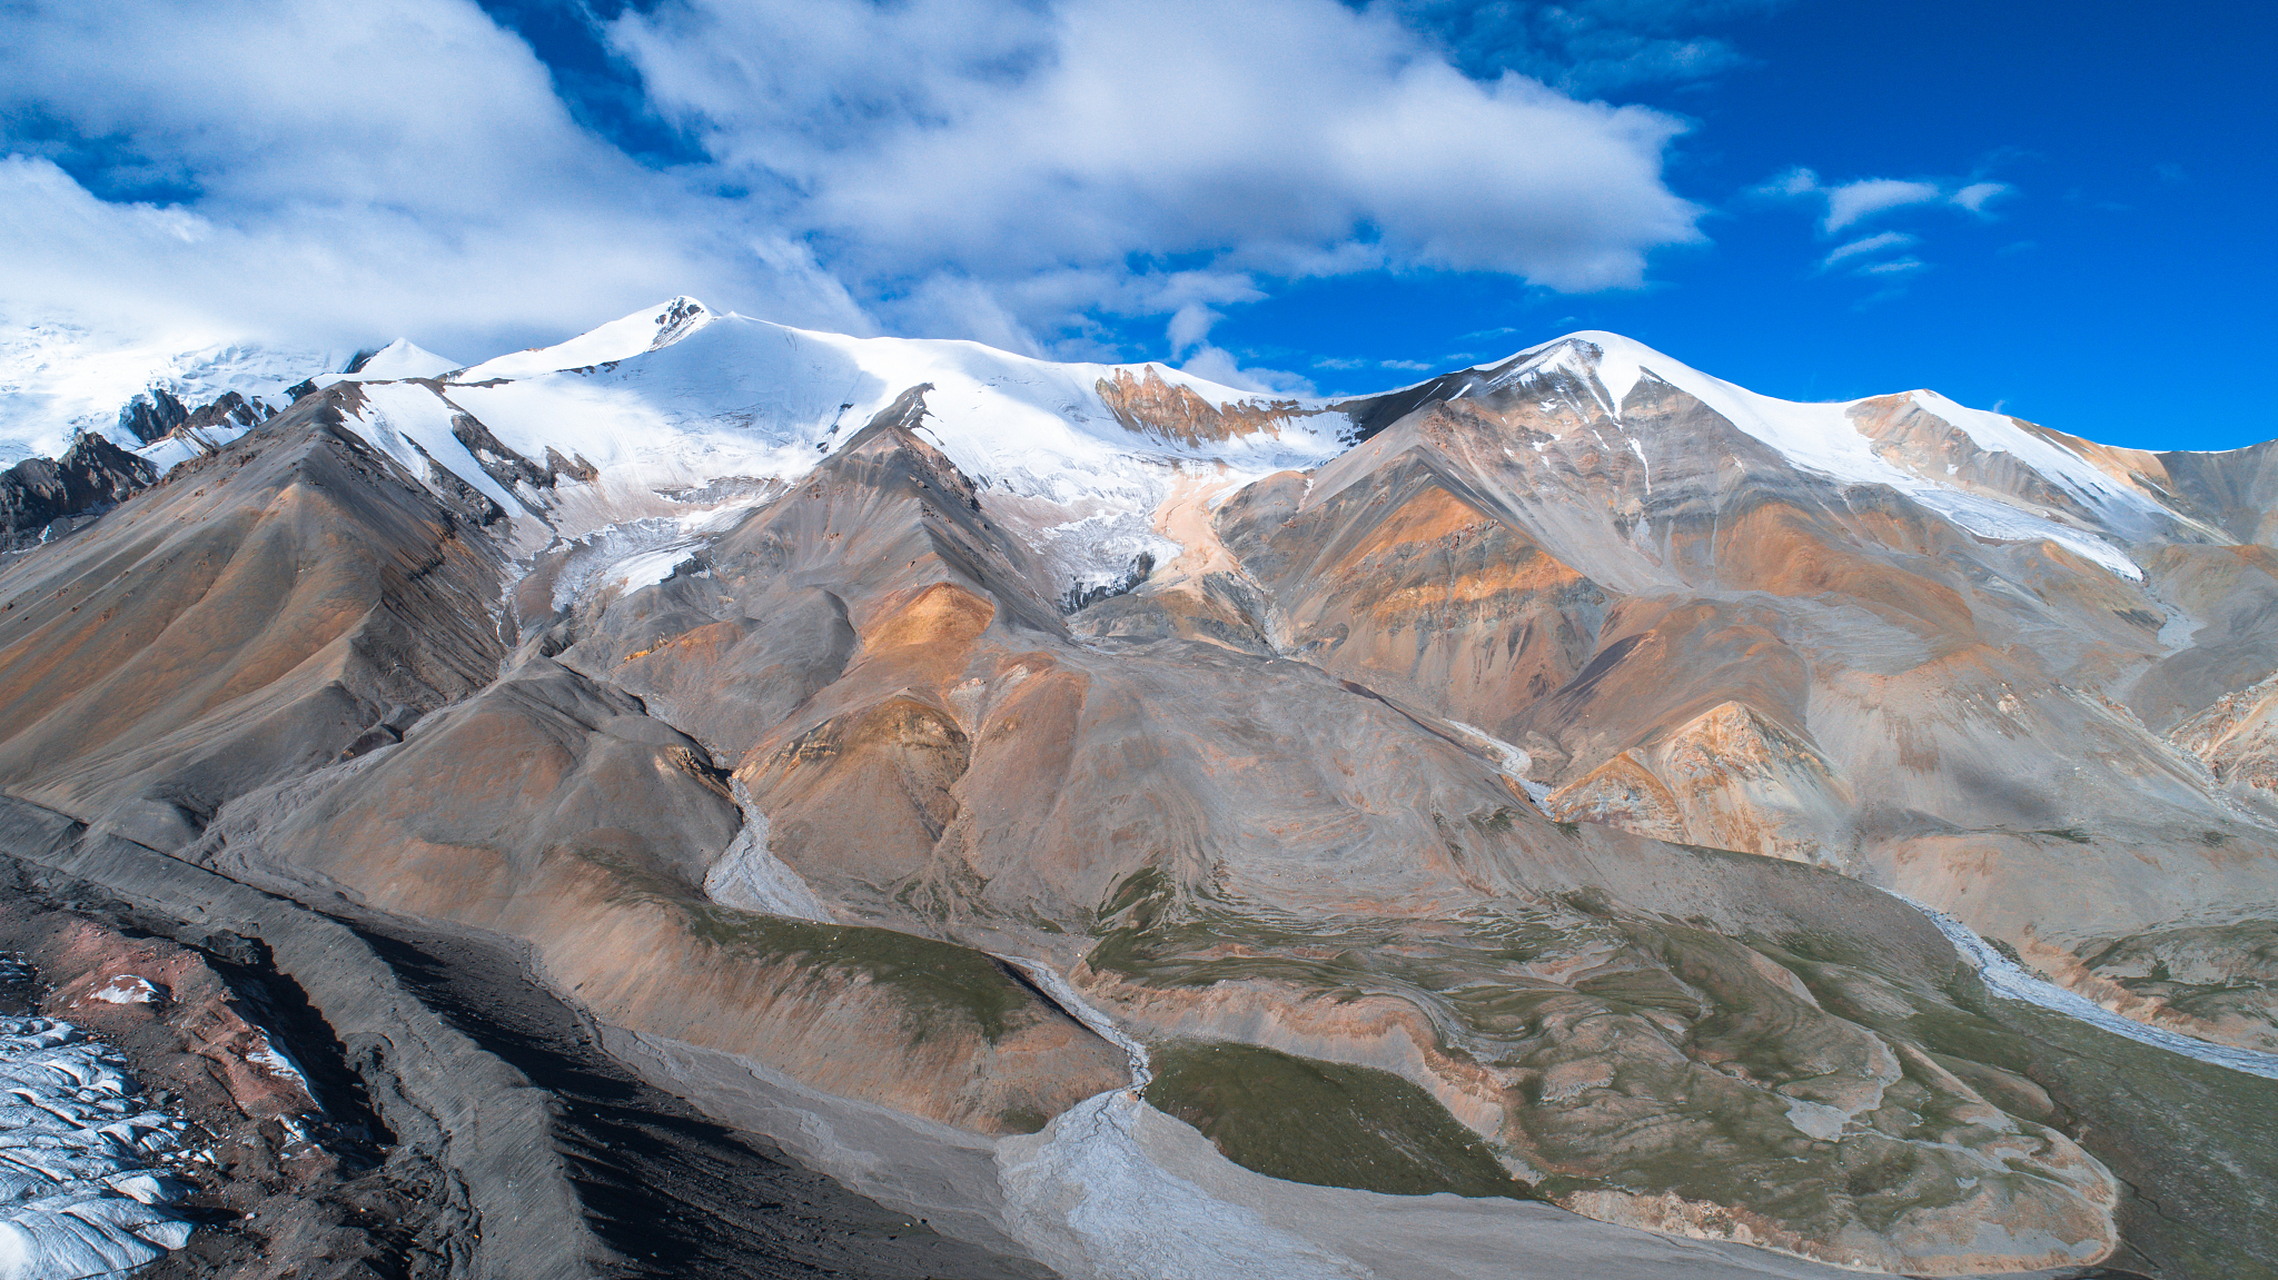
{"x": 230, "y": 410}
{"x": 152, "y": 415}
{"x": 91, "y": 477}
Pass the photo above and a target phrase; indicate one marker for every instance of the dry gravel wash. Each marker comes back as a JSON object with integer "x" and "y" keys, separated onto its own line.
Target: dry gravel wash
{"x": 527, "y": 1151}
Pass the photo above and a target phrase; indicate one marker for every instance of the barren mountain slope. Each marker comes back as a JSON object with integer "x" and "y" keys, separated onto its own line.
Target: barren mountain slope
{"x": 1698, "y": 637}
{"x": 1230, "y": 826}
{"x": 1467, "y": 789}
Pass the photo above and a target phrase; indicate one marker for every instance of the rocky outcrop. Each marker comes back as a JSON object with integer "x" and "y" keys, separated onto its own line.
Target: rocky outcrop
{"x": 152, "y": 415}
{"x": 155, "y": 415}
{"x": 240, "y": 622}
{"x": 1730, "y": 778}
{"x": 40, "y": 498}
{"x": 1148, "y": 404}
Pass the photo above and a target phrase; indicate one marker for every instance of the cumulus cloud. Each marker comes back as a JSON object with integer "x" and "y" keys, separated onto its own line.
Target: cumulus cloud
{"x": 1290, "y": 137}
{"x": 343, "y": 173}
{"x": 1225, "y": 368}
{"x": 1189, "y": 325}
{"x": 1009, "y": 170}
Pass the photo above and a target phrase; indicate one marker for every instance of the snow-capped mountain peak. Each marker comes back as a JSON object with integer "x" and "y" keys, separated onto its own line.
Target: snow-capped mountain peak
{"x": 401, "y": 359}
{"x": 1941, "y": 453}
{"x": 649, "y": 329}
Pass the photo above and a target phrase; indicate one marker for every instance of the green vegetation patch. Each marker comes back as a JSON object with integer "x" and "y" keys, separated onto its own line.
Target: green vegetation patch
{"x": 934, "y": 979}
{"x": 927, "y": 974}
{"x": 1325, "y": 1123}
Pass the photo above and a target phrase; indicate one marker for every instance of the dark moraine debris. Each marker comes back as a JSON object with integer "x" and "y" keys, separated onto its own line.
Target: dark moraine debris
{"x": 669, "y": 1192}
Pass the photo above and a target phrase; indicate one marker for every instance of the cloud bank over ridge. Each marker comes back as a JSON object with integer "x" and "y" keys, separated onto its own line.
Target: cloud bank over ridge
{"x": 1007, "y": 171}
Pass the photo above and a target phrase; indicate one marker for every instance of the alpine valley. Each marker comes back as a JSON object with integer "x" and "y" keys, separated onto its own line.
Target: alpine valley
{"x": 715, "y": 799}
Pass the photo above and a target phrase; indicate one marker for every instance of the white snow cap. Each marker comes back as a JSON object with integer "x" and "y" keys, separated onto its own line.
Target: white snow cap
{"x": 1824, "y": 438}
{"x": 649, "y": 329}
{"x": 399, "y": 359}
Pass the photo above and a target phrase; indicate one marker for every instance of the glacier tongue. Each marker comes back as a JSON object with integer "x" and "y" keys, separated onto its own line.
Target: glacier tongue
{"x": 76, "y": 1196}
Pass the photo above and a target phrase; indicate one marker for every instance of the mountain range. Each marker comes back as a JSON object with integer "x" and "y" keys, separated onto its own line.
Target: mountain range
{"x": 1570, "y": 816}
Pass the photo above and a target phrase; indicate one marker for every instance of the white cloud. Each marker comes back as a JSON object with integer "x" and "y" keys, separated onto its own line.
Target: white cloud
{"x": 1189, "y": 325}
{"x": 1848, "y": 203}
{"x": 1974, "y": 196}
{"x": 1287, "y": 137}
{"x": 1016, "y": 171}
{"x": 1894, "y": 267}
{"x": 1852, "y": 201}
{"x": 1220, "y": 366}
{"x": 361, "y": 171}
{"x": 1878, "y": 243}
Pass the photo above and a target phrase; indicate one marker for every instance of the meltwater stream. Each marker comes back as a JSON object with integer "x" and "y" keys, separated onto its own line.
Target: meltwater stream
{"x": 1096, "y": 1206}
{"x": 2005, "y": 977}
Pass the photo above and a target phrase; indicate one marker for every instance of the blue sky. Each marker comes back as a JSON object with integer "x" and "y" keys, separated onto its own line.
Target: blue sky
{"x": 2120, "y": 290}
{"x": 2060, "y": 210}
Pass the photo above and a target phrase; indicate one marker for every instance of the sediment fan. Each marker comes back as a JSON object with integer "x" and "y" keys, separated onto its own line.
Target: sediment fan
{"x": 911, "y": 809}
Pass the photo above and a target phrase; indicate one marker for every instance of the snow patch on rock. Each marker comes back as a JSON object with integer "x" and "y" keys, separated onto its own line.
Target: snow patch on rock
{"x": 126, "y": 988}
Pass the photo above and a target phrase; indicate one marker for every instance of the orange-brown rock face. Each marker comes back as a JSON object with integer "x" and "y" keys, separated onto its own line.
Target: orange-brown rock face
{"x": 1149, "y": 405}
{"x": 1729, "y": 778}
{"x": 1411, "y": 588}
